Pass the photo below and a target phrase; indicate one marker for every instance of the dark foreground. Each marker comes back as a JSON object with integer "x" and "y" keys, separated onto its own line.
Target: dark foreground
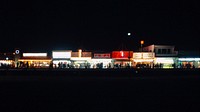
{"x": 100, "y": 90}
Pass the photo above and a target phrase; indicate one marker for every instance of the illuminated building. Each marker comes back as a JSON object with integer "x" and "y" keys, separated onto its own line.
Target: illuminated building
{"x": 122, "y": 59}
{"x": 143, "y": 59}
{"x": 81, "y": 59}
{"x": 7, "y": 60}
{"x": 61, "y": 58}
{"x": 102, "y": 60}
{"x": 34, "y": 60}
{"x": 189, "y": 59}
{"x": 165, "y": 55}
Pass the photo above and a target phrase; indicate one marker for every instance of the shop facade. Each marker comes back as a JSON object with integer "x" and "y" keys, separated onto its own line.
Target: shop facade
{"x": 34, "y": 60}
{"x": 165, "y": 55}
{"x": 102, "y": 60}
{"x": 189, "y": 59}
{"x": 122, "y": 59}
{"x": 143, "y": 59}
{"x": 165, "y": 62}
{"x": 61, "y": 58}
{"x": 7, "y": 60}
{"x": 188, "y": 62}
{"x": 81, "y": 59}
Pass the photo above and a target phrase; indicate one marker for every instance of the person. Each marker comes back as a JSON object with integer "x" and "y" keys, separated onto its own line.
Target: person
{"x": 193, "y": 66}
{"x": 59, "y": 65}
{"x": 51, "y": 65}
{"x": 17, "y": 64}
{"x": 27, "y": 64}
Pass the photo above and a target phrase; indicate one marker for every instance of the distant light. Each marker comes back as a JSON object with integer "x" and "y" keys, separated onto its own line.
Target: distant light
{"x": 129, "y": 34}
{"x": 142, "y": 42}
{"x": 35, "y": 54}
{"x": 6, "y": 58}
{"x": 17, "y": 51}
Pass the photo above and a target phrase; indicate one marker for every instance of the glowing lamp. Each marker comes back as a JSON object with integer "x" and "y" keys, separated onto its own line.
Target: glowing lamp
{"x": 142, "y": 42}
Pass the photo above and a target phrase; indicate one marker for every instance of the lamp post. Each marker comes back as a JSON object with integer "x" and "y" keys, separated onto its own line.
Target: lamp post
{"x": 141, "y": 43}
{"x": 129, "y": 57}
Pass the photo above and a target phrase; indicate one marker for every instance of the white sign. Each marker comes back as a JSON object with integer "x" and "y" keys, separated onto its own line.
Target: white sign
{"x": 137, "y": 55}
{"x": 34, "y": 54}
{"x": 148, "y": 55}
{"x": 63, "y": 54}
{"x": 143, "y": 55}
{"x": 164, "y": 60}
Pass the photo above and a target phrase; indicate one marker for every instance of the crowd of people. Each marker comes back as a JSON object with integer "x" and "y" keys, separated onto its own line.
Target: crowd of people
{"x": 62, "y": 65}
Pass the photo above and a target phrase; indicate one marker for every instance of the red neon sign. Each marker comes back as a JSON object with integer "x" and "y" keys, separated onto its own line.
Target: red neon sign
{"x": 122, "y": 54}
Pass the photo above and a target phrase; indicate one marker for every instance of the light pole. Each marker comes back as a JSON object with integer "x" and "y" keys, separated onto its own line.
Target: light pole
{"x": 129, "y": 57}
{"x": 141, "y": 42}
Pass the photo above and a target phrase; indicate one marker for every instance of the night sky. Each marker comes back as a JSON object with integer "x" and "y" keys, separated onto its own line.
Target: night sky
{"x": 98, "y": 24}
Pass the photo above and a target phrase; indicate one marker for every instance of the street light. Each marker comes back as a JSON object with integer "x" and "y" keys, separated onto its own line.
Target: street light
{"x": 129, "y": 57}
{"x": 141, "y": 42}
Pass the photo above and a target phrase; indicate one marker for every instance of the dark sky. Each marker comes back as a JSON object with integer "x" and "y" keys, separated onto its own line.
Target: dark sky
{"x": 98, "y": 24}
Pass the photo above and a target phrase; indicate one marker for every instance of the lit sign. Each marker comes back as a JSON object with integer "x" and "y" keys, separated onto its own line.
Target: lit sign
{"x": 148, "y": 55}
{"x": 86, "y": 54}
{"x": 79, "y": 59}
{"x": 189, "y": 59}
{"x": 137, "y": 55}
{"x": 34, "y": 54}
{"x": 122, "y": 54}
{"x": 164, "y": 60}
{"x": 101, "y": 55}
{"x": 143, "y": 55}
{"x": 63, "y": 55}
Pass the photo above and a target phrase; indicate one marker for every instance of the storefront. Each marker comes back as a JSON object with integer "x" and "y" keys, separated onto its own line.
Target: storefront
{"x": 167, "y": 62}
{"x": 34, "y": 60}
{"x": 81, "y": 59}
{"x": 61, "y": 58}
{"x": 189, "y": 59}
{"x": 7, "y": 60}
{"x": 7, "y": 63}
{"x": 189, "y": 63}
{"x": 143, "y": 59}
{"x": 102, "y": 60}
{"x": 122, "y": 59}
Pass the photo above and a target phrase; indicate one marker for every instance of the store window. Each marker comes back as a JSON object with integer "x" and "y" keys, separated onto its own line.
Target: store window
{"x": 164, "y": 51}
{"x": 168, "y": 51}
{"x": 159, "y": 51}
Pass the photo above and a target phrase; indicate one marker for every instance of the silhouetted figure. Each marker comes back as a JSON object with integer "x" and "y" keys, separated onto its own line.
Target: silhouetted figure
{"x": 51, "y": 65}
{"x": 120, "y": 65}
{"x": 188, "y": 66}
{"x": 27, "y": 66}
{"x": 17, "y": 64}
{"x": 174, "y": 65}
{"x": 59, "y": 65}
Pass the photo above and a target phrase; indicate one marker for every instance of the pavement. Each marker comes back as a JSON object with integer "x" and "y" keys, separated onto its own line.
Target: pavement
{"x": 99, "y": 90}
